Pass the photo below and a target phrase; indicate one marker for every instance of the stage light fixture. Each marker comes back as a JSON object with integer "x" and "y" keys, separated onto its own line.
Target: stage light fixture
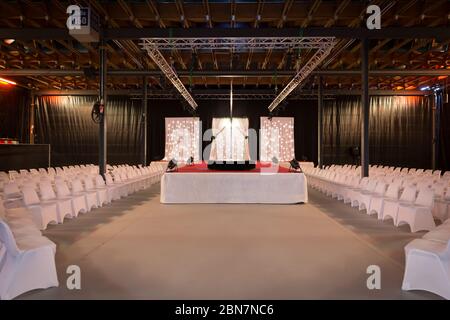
{"x": 190, "y": 161}
{"x": 172, "y": 165}
{"x": 294, "y": 165}
{"x": 275, "y": 160}
{"x": 9, "y": 41}
{"x": 7, "y": 82}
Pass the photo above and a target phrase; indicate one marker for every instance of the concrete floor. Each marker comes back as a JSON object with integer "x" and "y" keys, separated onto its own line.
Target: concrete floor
{"x": 137, "y": 248}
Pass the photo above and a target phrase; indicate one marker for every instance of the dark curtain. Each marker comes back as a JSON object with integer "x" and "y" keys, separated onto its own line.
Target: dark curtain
{"x": 65, "y": 123}
{"x": 400, "y": 132}
{"x": 304, "y": 113}
{"x": 444, "y": 138}
{"x": 400, "y": 127}
{"x": 14, "y": 114}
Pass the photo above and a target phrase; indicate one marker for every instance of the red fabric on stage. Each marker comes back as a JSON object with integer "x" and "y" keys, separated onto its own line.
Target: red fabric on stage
{"x": 203, "y": 167}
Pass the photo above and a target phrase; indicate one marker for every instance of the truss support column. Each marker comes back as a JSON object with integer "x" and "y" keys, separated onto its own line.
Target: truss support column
{"x": 102, "y": 127}
{"x": 320, "y": 125}
{"x": 32, "y": 117}
{"x": 435, "y": 124}
{"x": 144, "y": 121}
{"x": 365, "y": 103}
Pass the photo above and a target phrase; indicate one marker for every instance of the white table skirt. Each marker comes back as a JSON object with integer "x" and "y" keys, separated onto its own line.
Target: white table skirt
{"x": 235, "y": 187}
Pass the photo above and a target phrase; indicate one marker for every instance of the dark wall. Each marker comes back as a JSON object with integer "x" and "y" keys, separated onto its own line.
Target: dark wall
{"x": 304, "y": 113}
{"x": 14, "y": 113}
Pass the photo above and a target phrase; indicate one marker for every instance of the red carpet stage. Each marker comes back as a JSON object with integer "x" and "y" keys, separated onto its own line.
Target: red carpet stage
{"x": 260, "y": 167}
{"x": 264, "y": 184}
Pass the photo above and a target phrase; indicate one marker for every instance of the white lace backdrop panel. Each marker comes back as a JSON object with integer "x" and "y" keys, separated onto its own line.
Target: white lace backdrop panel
{"x": 277, "y": 139}
{"x": 230, "y": 144}
{"x": 182, "y": 138}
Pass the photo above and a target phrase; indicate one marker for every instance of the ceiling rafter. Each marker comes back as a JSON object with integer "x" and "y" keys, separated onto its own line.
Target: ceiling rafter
{"x": 125, "y": 17}
{"x": 207, "y": 11}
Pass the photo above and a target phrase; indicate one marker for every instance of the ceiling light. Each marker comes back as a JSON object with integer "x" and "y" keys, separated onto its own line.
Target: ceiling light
{"x": 9, "y": 41}
{"x": 7, "y": 82}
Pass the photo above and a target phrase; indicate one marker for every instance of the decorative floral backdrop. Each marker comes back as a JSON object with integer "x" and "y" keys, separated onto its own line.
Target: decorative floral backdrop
{"x": 277, "y": 138}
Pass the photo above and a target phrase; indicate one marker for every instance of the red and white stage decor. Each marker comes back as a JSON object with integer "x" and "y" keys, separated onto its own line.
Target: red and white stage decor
{"x": 231, "y": 139}
{"x": 277, "y": 138}
{"x": 182, "y": 138}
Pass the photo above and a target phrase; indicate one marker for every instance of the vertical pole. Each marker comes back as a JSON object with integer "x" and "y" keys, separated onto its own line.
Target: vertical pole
{"x": 433, "y": 127}
{"x": 320, "y": 124}
{"x": 231, "y": 120}
{"x": 32, "y": 119}
{"x": 436, "y": 120}
{"x": 102, "y": 126}
{"x": 365, "y": 107}
{"x": 144, "y": 120}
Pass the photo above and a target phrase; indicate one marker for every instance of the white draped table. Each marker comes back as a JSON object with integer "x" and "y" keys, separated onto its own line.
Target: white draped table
{"x": 233, "y": 187}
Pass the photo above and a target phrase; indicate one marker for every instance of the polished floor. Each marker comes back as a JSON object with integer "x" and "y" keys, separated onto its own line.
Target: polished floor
{"x": 137, "y": 248}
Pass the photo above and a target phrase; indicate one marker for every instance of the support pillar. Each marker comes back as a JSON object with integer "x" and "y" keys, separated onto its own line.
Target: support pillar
{"x": 365, "y": 102}
{"x": 144, "y": 122}
{"x": 102, "y": 126}
{"x": 320, "y": 125}
{"x": 32, "y": 117}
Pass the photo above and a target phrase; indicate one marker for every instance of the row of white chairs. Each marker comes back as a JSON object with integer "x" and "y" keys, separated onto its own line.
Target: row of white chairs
{"x": 27, "y": 259}
{"x": 51, "y": 199}
{"x": 398, "y": 171}
{"x": 406, "y": 199}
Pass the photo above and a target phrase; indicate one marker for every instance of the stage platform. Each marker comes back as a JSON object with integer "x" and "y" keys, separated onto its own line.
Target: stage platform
{"x": 198, "y": 184}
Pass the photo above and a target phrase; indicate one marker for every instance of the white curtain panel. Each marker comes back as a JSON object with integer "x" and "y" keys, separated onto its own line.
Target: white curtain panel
{"x": 277, "y": 139}
{"x": 182, "y": 138}
{"x": 231, "y": 139}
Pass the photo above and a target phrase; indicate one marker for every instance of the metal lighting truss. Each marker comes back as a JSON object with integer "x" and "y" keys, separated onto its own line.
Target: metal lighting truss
{"x": 303, "y": 73}
{"x": 237, "y": 44}
{"x": 165, "y": 67}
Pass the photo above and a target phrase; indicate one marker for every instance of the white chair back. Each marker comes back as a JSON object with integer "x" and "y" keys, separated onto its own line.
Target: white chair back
{"x": 99, "y": 182}
{"x": 77, "y": 186}
{"x": 62, "y": 190}
{"x": 47, "y": 192}
{"x": 30, "y": 196}
{"x": 109, "y": 179}
{"x": 425, "y": 198}
{"x": 88, "y": 184}
{"x": 371, "y": 185}
{"x": 380, "y": 188}
{"x": 392, "y": 191}
{"x": 10, "y": 188}
{"x": 7, "y": 238}
{"x": 409, "y": 194}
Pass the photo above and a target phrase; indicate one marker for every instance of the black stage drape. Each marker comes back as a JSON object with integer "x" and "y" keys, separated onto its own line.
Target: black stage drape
{"x": 400, "y": 131}
{"x": 400, "y": 127}
{"x": 14, "y": 114}
{"x": 304, "y": 113}
{"x": 444, "y": 138}
{"x": 65, "y": 123}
